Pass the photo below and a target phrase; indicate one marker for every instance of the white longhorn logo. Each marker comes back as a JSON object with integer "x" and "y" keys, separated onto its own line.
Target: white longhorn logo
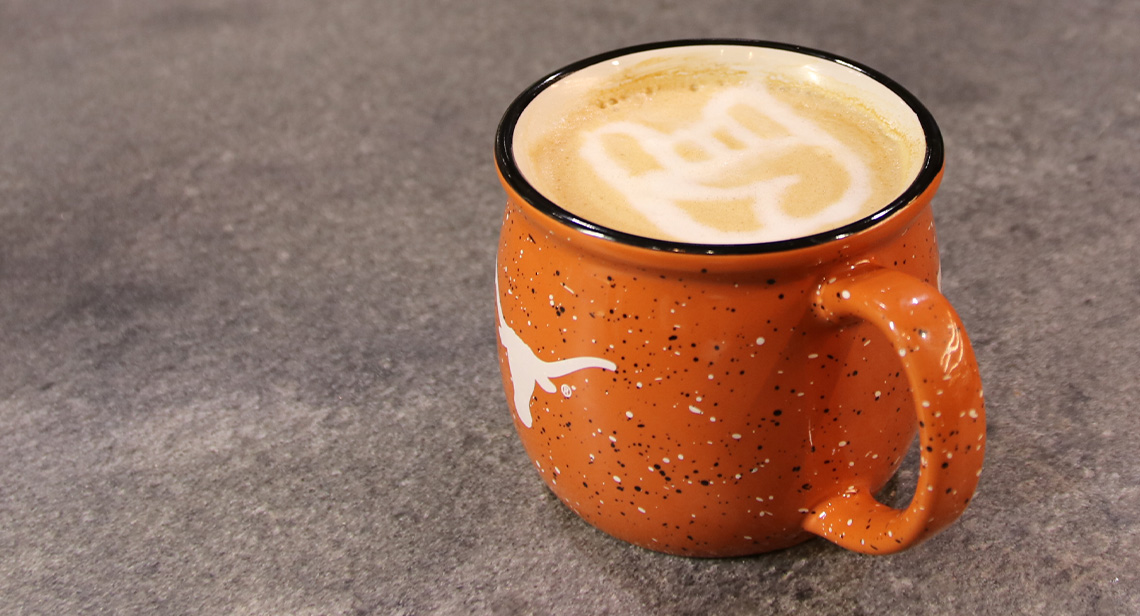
{"x": 527, "y": 370}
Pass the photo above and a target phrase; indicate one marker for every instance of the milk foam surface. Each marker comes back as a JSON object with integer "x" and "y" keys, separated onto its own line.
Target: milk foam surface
{"x": 687, "y": 149}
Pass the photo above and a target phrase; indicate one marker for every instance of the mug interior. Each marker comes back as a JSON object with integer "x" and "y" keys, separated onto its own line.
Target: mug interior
{"x": 557, "y": 96}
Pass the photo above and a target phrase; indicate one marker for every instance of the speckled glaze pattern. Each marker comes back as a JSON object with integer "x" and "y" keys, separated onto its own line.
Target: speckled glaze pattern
{"x": 754, "y": 400}
{"x": 721, "y": 404}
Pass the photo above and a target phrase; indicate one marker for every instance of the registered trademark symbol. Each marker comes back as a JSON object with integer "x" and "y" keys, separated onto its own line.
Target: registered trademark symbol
{"x": 567, "y": 390}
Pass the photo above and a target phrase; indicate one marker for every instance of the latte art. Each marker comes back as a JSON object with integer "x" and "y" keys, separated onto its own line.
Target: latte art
{"x": 687, "y": 150}
{"x": 707, "y": 162}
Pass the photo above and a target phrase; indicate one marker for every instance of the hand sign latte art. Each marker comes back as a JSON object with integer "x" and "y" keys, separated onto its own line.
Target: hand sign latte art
{"x": 724, "y": 145}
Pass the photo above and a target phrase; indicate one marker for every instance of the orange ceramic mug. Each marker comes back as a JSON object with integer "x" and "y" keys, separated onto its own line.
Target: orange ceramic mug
{"x": 718, "y": 399}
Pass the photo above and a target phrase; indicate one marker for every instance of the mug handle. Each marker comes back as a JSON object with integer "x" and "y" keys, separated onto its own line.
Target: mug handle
{"x": 943, "y": 375}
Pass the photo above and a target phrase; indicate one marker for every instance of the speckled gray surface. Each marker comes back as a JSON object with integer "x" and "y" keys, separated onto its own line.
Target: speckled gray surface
{"x": 247, "y": 356}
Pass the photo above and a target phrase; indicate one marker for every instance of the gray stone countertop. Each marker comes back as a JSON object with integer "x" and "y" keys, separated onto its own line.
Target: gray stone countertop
{"x": 247, "y": 352}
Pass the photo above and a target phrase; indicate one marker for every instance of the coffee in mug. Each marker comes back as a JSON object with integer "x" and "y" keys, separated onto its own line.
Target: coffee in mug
{"x": 717, "y": 300}
{"x": 683, "y": 144}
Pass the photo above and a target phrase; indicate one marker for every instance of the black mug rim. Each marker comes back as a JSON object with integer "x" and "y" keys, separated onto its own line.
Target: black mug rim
{"x": 504, "y": 156}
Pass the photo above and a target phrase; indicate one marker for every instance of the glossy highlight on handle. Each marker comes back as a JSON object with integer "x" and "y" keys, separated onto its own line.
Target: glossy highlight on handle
{"x": 939, "y": 363}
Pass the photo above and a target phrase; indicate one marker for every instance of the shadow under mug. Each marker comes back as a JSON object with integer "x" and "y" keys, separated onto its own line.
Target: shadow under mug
{"x": 720, "y": 400}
